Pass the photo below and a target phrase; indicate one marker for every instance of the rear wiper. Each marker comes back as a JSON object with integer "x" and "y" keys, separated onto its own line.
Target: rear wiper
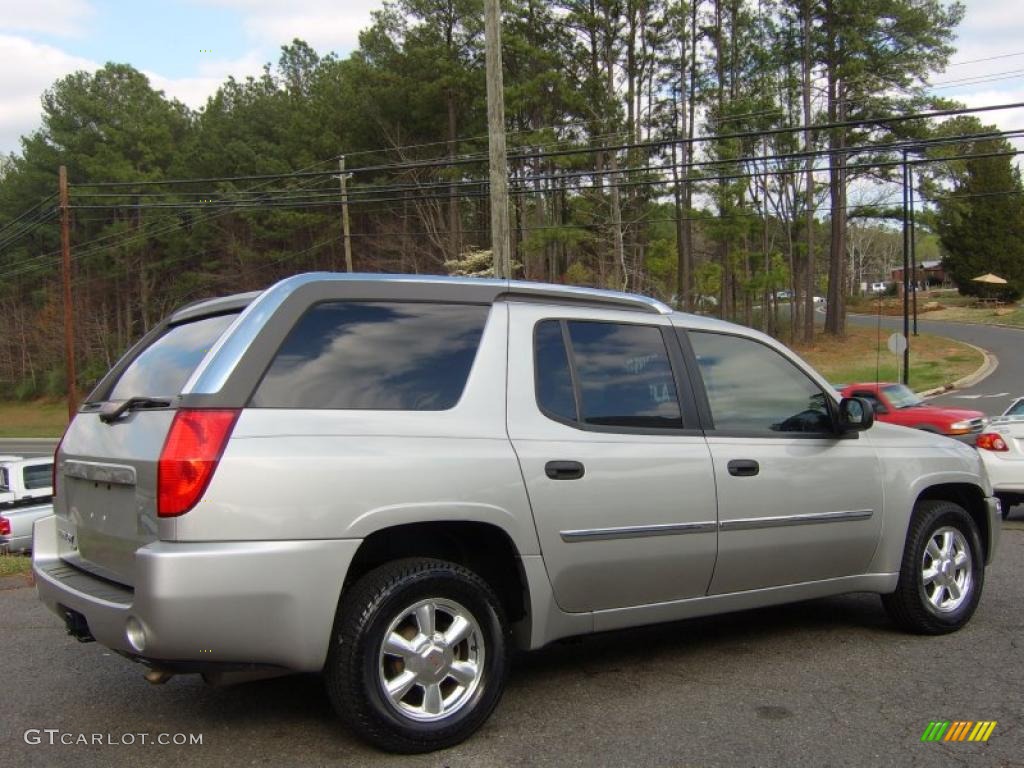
{"x": 115, "y": 409}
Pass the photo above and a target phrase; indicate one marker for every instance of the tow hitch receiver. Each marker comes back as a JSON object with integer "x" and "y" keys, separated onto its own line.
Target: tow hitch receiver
{"x": 76, "y": 625}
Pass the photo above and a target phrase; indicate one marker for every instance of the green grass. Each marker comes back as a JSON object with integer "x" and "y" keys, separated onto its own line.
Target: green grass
{"x": 13, "y": 565}
{"x": 41, "y": 418}
{"x": 934, "y": 361}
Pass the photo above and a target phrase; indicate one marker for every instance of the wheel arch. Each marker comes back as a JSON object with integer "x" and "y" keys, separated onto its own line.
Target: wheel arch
{"x": 969, "y": 496}
{"x": 486, "y": 549}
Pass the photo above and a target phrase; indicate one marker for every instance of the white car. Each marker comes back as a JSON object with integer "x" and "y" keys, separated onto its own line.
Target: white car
{"x": 1001, "y": 446}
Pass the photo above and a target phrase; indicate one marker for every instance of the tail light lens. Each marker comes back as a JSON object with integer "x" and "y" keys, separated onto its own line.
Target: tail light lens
{"x": 990, "y": 441}
{"x": 191, "y": 452}
{"x": 5, "y": 526}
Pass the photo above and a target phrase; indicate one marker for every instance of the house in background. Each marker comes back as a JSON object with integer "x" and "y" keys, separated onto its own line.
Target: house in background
{"x": 928, "y": 274}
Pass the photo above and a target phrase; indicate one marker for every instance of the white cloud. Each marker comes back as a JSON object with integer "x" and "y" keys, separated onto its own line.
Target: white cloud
{"x": 55, "y": 17}
{"x": 29, "y": 69}
{"x": 194, "y": 91}
{"x": 324, "y": 24}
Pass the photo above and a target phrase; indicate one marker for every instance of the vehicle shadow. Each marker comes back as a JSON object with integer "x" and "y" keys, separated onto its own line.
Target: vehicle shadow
{"x": 733, "y": 634}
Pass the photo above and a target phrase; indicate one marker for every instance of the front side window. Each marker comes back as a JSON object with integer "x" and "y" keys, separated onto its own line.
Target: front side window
{"x": 623, "y": 377}
{"x": 38, "y": 476}
{"x": 375, "y": 355}
{"x": 753, "y": 388}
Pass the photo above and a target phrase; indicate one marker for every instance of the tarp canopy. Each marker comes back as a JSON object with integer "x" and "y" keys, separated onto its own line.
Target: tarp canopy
{"x": 989, "y": 278}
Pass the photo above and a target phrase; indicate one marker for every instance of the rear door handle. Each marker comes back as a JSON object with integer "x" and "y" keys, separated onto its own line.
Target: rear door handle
{"x": 743, "y": 467}
{"x": 564, "y": 470}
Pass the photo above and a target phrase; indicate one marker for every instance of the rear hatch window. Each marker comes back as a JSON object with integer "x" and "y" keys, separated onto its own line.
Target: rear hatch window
{"x": 162, "y": 369}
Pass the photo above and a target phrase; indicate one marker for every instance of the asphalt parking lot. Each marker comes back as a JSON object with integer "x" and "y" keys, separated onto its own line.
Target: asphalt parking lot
{"x": 822, "y": 683}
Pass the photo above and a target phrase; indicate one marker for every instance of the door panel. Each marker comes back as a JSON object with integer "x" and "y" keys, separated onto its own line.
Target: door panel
{"x": 639, "y": 525}
{"x": 781, "y": 525}
{"x": 797, "y": 502}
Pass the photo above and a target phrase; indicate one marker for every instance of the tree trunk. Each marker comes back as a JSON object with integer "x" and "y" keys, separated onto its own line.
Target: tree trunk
{"x": 454, "y": 238}
{"x": 835, "y": 317}
{"x": 808, "y": 329}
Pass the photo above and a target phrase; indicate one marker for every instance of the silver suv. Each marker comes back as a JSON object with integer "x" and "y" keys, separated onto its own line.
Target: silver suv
{"x": 395, "y": 480}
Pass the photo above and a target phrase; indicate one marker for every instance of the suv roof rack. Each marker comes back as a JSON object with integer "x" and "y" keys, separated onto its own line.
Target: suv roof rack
{"x": 436, "y": 287}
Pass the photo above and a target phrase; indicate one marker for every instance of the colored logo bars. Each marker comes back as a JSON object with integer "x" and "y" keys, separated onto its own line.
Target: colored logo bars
{"x": 958, "y": 730}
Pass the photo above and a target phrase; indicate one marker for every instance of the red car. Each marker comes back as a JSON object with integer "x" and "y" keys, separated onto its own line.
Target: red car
{"x": 898, "y": 404}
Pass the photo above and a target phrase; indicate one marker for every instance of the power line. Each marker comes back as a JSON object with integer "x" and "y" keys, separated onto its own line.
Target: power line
{"x": 330, "y": 198}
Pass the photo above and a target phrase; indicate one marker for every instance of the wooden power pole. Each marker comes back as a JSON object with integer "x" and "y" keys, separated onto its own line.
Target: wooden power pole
{"x": 343, "y": 180}
{"x": 69, "y": 320}
{"x": 500, "y": 241}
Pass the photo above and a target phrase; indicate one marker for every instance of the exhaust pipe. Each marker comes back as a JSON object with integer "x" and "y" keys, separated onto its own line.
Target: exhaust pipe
{"x": 158, "y": 676}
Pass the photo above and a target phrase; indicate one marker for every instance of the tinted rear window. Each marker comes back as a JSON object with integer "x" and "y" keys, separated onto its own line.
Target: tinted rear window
{"x": 165, "y": 365}
{"x": 375, "y": 355}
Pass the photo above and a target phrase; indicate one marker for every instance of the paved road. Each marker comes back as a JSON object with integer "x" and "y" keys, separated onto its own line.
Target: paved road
{"x": 992, "y": 395}
{"x": 823, "y": 683}
{"x": 27, "y": 447}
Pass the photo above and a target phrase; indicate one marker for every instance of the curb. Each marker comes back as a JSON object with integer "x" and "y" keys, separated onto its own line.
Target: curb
{"x": 987, "y": 369}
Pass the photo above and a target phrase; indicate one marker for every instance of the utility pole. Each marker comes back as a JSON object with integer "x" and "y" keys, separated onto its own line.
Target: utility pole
{"x": 69, "y": 320}
{"x": 913, "y": 247}
{"x": 343, "y": 181}
{"x": 906, "y": 269}
{"x": 500, "y": 245}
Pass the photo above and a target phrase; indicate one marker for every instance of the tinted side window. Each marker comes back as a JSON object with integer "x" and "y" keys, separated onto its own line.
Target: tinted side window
{"x": 753, "y": 388}
{"x": 375, "y": 355}
{"x": 623, "y": 373}
{"x": 162, "y": 369}
{"x": 39, "y": 476}
{"x": 554, "y": 381}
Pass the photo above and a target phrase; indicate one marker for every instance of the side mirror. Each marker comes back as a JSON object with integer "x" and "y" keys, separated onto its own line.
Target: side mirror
{"x": 855, "y": 414}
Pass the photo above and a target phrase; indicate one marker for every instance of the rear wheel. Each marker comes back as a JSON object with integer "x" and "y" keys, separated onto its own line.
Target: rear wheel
{"x": 419, "y": 655}
{"x": 942, "y": 572}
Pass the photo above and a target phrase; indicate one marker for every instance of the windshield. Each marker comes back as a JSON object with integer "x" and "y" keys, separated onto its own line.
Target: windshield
{"x": 162, "y": 369}
{"x": 901, "y": 396}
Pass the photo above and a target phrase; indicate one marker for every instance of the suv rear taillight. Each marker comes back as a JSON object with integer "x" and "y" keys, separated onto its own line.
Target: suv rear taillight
{"x": 5, "y": 526}
{"x": 189, "y": 458}
{"x": 991, "y": 442}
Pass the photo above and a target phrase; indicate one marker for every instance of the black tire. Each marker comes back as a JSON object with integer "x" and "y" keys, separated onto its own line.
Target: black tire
{"x": 356, "y": 671}
{"x": 911, "y": 606}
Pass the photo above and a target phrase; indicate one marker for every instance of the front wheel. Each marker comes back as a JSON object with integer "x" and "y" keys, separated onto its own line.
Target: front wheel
{"x": 942, "y": 571}
{"x": 418, "y": 656}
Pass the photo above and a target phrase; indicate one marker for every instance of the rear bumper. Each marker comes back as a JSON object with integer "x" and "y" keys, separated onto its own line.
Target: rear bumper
{"x": 252, "y": 602}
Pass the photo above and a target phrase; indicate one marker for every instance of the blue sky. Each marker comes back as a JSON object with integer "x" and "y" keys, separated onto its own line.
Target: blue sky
{"x": 188, "y": 47}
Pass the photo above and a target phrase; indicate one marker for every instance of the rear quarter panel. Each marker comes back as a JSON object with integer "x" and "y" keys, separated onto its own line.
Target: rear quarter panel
{"x": 337, "y": 474}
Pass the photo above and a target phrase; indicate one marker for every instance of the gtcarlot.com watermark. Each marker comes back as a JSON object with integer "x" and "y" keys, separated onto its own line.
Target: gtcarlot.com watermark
{"x": 57, "y": 737}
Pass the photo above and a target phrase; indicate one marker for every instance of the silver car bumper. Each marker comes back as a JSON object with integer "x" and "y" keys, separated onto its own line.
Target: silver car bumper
{"x": 253, "y": 602}
{"x": 995, "y": 527}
